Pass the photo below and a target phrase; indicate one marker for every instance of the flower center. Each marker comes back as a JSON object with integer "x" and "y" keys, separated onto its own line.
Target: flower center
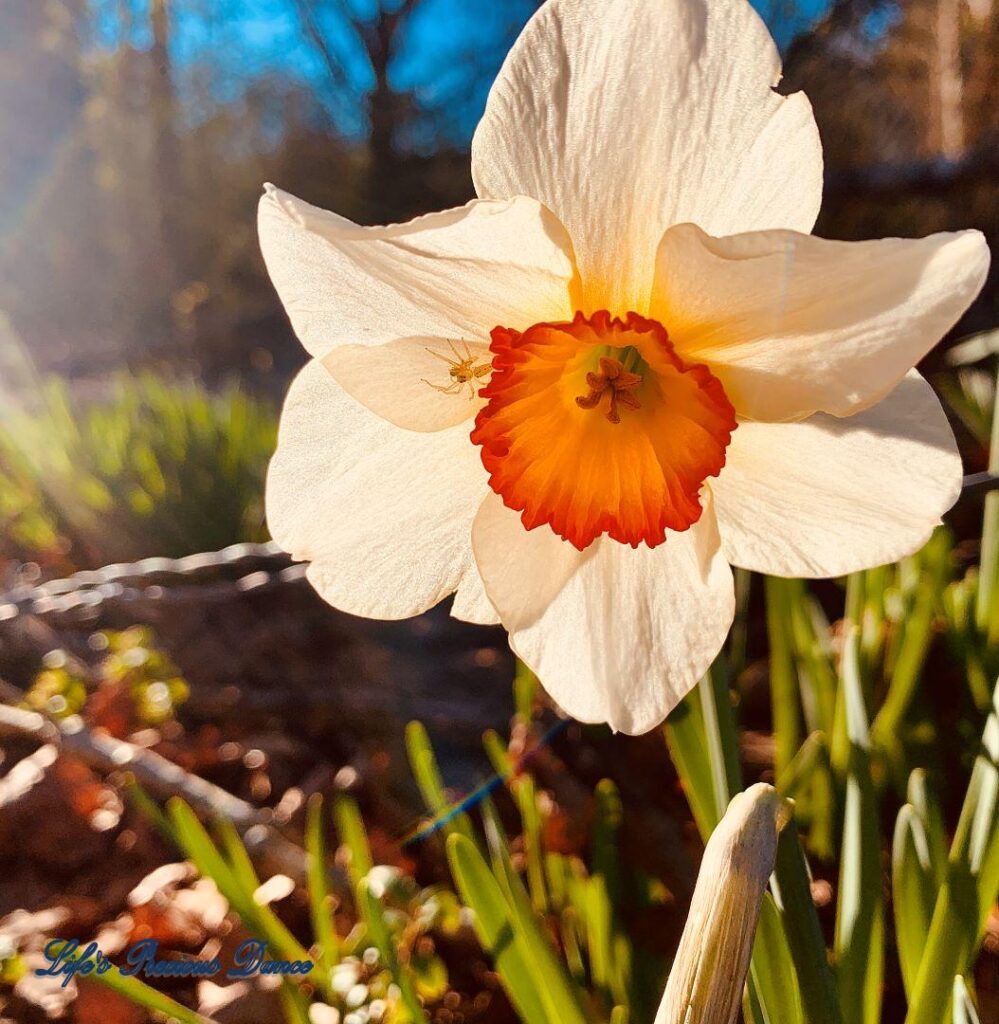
{"x": 596, "y": 426}
{"x": 613, "y": 378}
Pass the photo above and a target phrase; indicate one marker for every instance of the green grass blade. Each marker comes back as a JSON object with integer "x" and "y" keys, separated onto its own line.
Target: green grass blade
{"x": 354, "y": 836}
{"x": 872, "y": 625}
{"x": 722, "y": 734}
{"x": 685, "y": 738}
{"x": 811, "y": 756}
{"x": 525, "y": 688}
{"x": 947, "y": 947}
{"x": 784, "y": 701}
{"x": 497, "y": 752}
{"x": 772, "y": 969}
{"x": 294, "y": 1005}
{"x": 149, "y": 809}
{"x": 527, "y": 803}
{"x": 925, "y": 804}
{"x": 239, "y": 859}
{"x": 423, "y": 763}
{"x": 738, "y": 635}
{"x": 557, "y": 873}
{"x": 623, "y": 982}
{"x": 815, "y": 654}
{"x": 381, "y": 938}
{"x": 913, "y": 891}
{"x": 599, "y": 930}
{"x": 141, "y": 994}
{"x": 236, "y": 880}
{"x": 854, "y": 609}
{"x": 752, "y": 1009}
{"x": 605, "y": 860}
{"x": 983, "y": 832}
{"x": 793, "y": 896}
{"x": 321, "y": 902}
{"x": 915, "y": 637}
{"x": 272, "y": 928}
{"x": 198, "y": 847}
{"x": 808, "y": 777}
{"x": 572, "y": 947}
{"x": 859, "y": 939}
{"x": 971, "y": 887}
{"x": 987, "y": 602}
{"x": 702, "y": 737}
{"x": 496, "y": 929}
{"x": 562, "y": 999}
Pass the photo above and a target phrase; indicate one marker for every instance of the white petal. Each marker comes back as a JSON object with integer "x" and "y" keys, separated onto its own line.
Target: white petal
{"x": 400, "y": 380}
{"x": 383, "y": 514}
{"x": 471, "y": 603}
{"x": 615, "y": 634}
{"x": 829, "y": 496}
{"x": 625, "y": 117}
{"x": 455, "y": 274}
{"x": 795, "y": 325}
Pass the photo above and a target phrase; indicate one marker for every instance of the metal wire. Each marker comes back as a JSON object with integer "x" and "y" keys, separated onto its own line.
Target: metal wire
{"x": 152, "y": 578}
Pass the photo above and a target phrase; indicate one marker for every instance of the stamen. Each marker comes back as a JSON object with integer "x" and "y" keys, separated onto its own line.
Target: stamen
{"x": 627, "y": 381}
{"x": 614, "y": 416}
{"x": 610, "y": 368}
{"x": 613, "y": 377}
{"x": 589, "y": 401}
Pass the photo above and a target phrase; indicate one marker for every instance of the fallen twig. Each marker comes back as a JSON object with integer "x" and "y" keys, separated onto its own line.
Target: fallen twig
{"x": 164, "y": 779}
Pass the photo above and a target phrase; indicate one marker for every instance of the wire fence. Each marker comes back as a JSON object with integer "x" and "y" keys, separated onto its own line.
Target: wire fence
{"x": 239, "y": 568}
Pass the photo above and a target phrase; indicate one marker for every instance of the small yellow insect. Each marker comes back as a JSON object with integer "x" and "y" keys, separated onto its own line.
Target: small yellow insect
{"x": 462, "y": 370}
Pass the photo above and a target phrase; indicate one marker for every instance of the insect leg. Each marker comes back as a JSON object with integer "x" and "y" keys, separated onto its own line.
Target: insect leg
{"x": 443, "y": 359}
{"x": 448, "y": 390}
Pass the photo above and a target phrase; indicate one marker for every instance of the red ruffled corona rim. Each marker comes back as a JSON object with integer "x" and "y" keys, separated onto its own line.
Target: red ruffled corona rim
{"x": 596, "y": 426}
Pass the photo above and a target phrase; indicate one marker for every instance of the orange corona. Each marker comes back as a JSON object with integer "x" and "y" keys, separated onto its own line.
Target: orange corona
{"x": 596, "y": 426}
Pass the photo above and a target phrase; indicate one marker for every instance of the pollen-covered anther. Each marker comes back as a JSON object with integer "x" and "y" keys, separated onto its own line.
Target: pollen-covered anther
{"x": 613, "y": 377}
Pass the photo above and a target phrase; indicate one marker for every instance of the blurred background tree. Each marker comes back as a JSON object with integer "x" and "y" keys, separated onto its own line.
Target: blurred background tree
{"x": 135, "y": 135}
{"x": 901, "y": 95}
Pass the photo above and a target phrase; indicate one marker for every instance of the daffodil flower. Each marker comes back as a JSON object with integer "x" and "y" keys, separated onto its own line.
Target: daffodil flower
{"x": 576, "y": 401}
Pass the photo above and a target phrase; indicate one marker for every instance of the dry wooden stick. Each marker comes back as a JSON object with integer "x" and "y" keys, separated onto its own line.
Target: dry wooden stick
{"x": 163, "y": 778}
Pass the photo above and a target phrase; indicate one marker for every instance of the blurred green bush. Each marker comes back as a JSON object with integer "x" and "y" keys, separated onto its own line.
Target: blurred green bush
{"x": 157, "y": 467}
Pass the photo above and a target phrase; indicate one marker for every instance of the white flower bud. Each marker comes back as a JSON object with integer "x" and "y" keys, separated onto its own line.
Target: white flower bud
{"x": 708, "y": 974}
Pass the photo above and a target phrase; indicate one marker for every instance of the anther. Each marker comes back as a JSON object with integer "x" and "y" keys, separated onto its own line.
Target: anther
{"x": 613, "y": 377}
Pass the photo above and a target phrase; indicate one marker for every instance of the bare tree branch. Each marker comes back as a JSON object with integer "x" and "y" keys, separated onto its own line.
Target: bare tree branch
{"x": 333, "y": 65}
